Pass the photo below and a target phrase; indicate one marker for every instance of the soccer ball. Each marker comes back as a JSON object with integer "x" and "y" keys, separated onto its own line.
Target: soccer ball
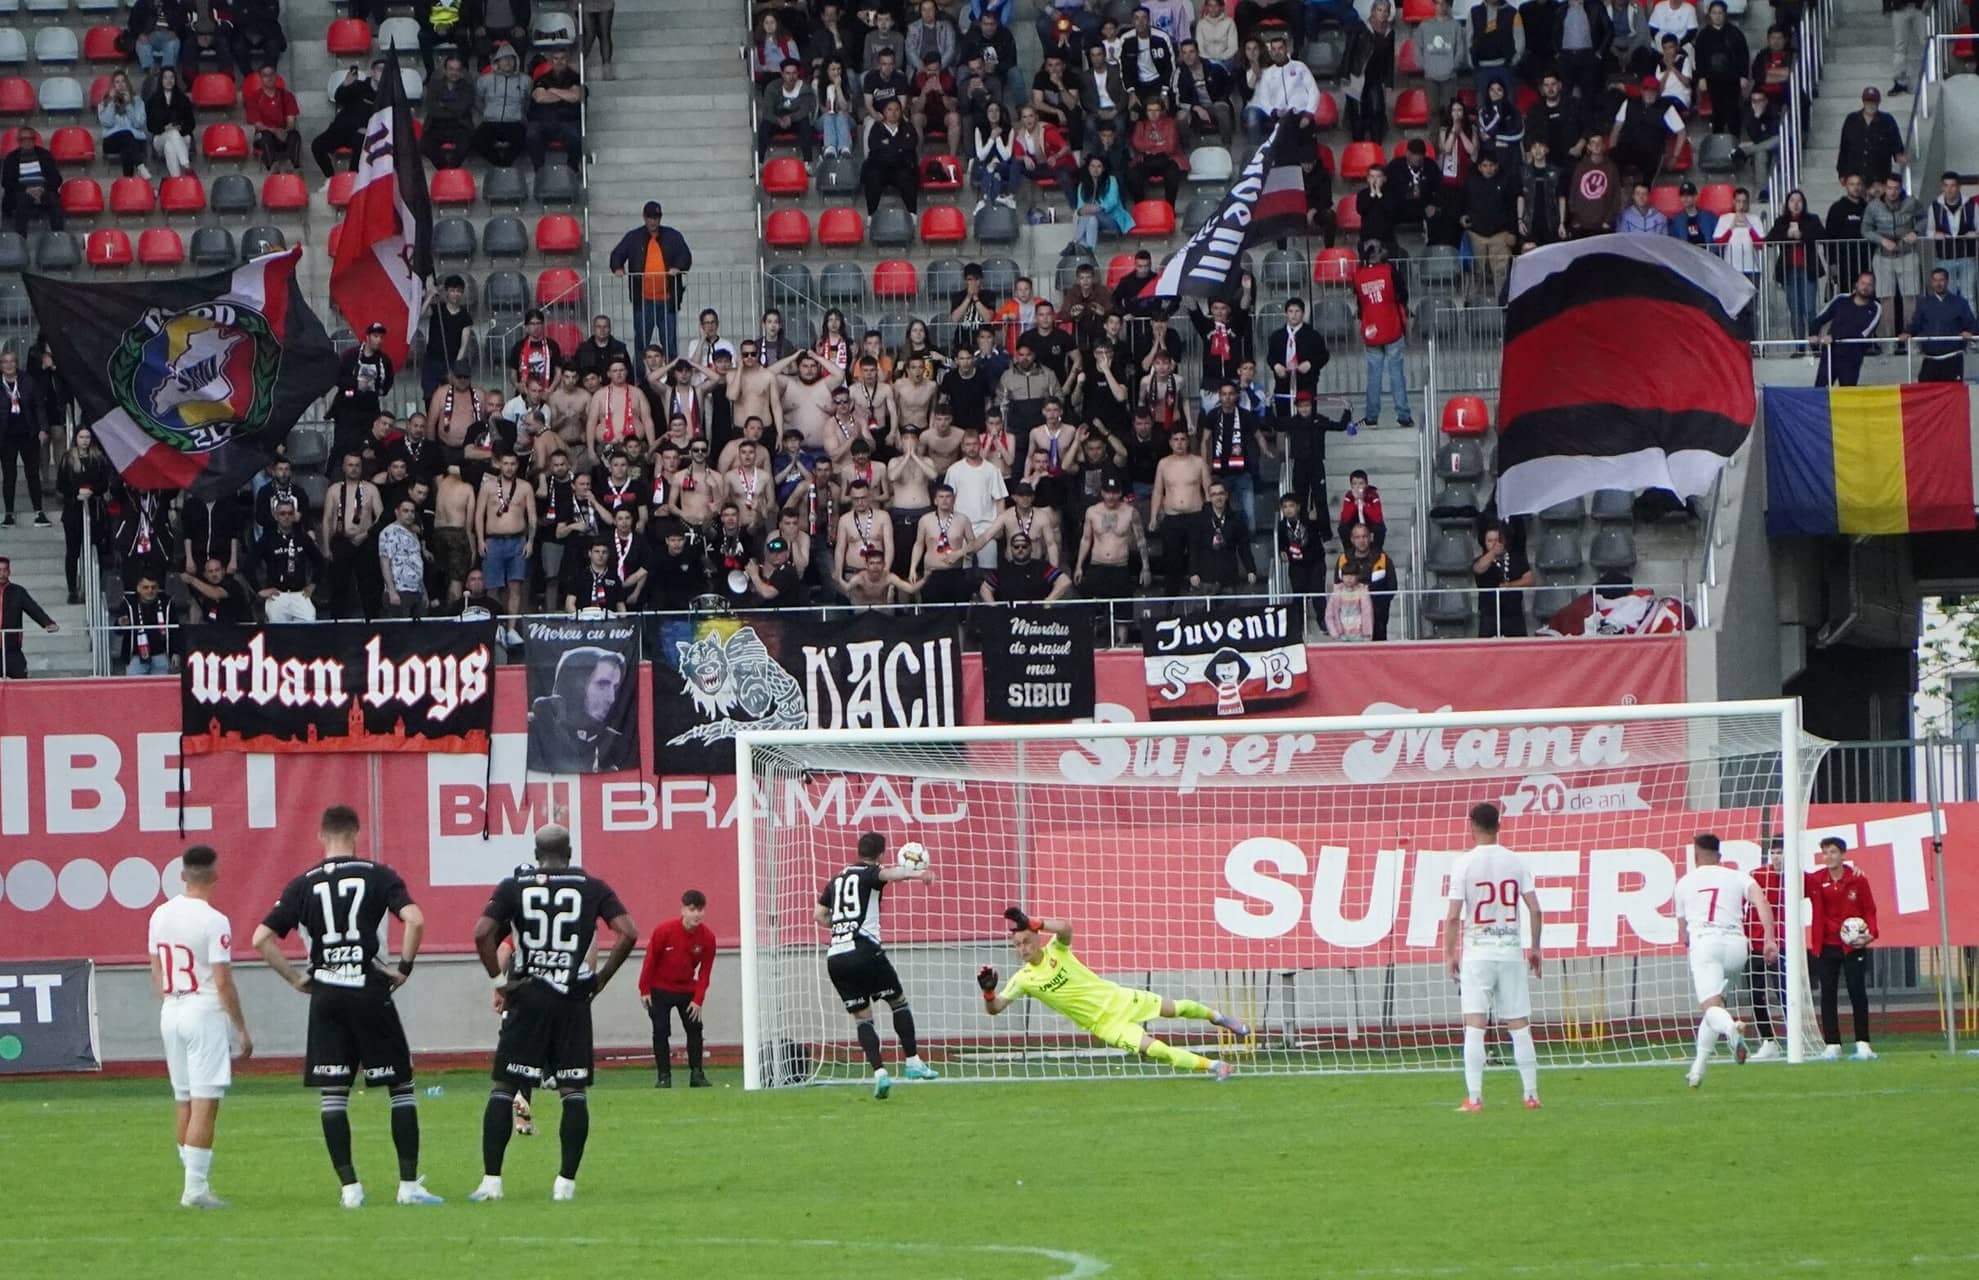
{"x": 1855, "y": 930}
{"x": 914, "y": 856}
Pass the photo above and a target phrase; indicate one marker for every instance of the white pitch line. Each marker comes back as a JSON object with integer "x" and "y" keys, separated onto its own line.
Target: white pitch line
{"x": 1633, "y": 1267}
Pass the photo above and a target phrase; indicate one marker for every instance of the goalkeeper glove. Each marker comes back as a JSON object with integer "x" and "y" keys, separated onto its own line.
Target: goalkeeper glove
{"x": 1017, "y": 919}
{"x": 986, "y": 978}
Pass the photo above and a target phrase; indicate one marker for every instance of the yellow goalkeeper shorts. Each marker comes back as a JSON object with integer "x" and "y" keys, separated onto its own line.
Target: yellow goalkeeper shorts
{"x": 1120, "y": 1026}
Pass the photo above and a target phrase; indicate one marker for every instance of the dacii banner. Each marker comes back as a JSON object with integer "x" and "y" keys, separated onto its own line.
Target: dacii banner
{"x": 714, "y": 678}
{"x": 1038, "y": 664}
{"x": 583, "y": 694}
{"x": 1226, "y": 662}
{"x": 391, "y": 686}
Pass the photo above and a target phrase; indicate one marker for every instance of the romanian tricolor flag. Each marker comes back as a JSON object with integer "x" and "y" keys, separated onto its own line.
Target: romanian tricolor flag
{"x": 1869, "y": 459}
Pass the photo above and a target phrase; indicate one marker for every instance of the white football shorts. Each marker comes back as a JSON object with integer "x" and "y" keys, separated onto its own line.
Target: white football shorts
{"x": 1490, "y": 985}
{"x": 198, "y": 1048}
{"x": 1715, "y": 959}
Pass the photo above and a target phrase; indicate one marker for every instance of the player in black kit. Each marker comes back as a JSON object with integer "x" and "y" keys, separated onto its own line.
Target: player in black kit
{"x": 552, "y": 912}
{"x": 858, "y": 965}
{"x": 353, "y": 1024}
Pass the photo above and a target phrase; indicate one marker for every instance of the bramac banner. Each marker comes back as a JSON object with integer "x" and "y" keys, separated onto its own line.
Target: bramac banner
{"x": 392, "y": 686}
{"x": 48, "y": 1017}
{"x": 583, "y": 695}
{"x": 1038, "y": 664}
{"x": 1225, "y": 662}
{"x": 714, "y": 678}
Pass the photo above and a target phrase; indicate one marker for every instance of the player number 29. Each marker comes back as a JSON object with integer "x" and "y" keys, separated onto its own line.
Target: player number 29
{"x": 549, "y": 918}
{"x": 1504, "y": 894}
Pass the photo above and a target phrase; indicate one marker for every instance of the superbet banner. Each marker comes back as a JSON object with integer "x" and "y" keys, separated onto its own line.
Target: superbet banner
{"x": 91, "y": 821}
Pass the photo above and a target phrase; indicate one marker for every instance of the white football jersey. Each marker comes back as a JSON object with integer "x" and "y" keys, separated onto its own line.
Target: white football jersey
{"x": 1491, "y": 881}
{"x": 1711, "y": 899}
{"x": 188, "y": 937}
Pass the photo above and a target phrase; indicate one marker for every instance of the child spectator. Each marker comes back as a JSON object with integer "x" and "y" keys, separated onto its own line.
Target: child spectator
{"x": 1361, "y": 504}
{"x": 1349, "y": 608}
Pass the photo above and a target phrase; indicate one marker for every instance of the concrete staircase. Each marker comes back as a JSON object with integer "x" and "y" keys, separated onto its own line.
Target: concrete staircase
{"x": 37, "y": 557}
{"x": 1858, "y": 55}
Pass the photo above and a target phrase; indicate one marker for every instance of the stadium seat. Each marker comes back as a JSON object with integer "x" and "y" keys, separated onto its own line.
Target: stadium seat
{"x": 941, "y": 280}
{"x": 400, "y": 33}
{"x": 1326, "y": 160}
{"x": 560, "y": 287}
{"x": 132, "y": 197}
{"x": 57, "y": 251}
{"x": 894, "y": 280}
{"x": 559, "y": 233}
{"x": 453, "y": 239}
{"x": 891, "y": 228}
{"x": 941, "y": 172}
{"x": 342, "y": 183}
{"x": 1438, "y": 269}
{"x": 1466, "y": 416}
{"x": 1669, "y": 201}
{"x": 557, "y": 183}
{"x": 997, "y": 225}
{"x": 788, "y": 284}
{"x": 507, "y": 293}
{"x": 330, "y": 244}
{"x": 82, "y": 198}
{"x": 1718, "y": 153}
{"x": 1458, "y": 457}
{"x": 1613, "y": 549}
{"x": 787, "y": 229}
{"x": 183, "y": 194}
{"x": 1683, "y": 159}
{"x": 1334, "y": 267}
{"x": 1345, "y": 216}
{"x": 51, "y": 9}
{"x": 14, "y": 306}
{"x": 99, "y": 89}
{"x": 1613, "y": 506}
{"x": 212, "y": 247}
{"x": 453, "y": 187}
{"x": 838, "y": 176}
{"x": 842, "y": 283}
{"x": 213, "y": 91}
{"x": 1411, "y": 109}
{"x": 1559, "y": 551}
{"x": 256, "y": 241}
{"x": 1416, "y": 12}
{"x": 99, "y": 44}
{"x": 943, "y": 224}
{"x": 16, "y": 97}
{"x": 1408, "y": 62}
{"x": 505, "y": 188}
{"x": 232, "y": 195}
{"x": 1284, "y": 271}
{"x": 1358, "y": 158}
{"x": 785, "y": 176}
{"x": 553, "y": 28}
{"x": 61, "y": 96}
{"x": 1211, "y": 164}
{"x": 223, "y": 141}
{"x": 1327, "y": 114}
{"x": 1119, "y": 269}
{"x": 13, "y": 251}
{"x": 841, "y": 228}
{"x": 1201, "y": 208}
{"x": 109, "y": 247}
{"x": 505, "y": 238}
{"x": 55, "y": 45}
{"x": 13, "y": 47}
{"x": 566, "y": 335}
{"x": 1000, "y": 277}
{"x": 1154, "y": 219}
{"x": 160, "y": 247}
{"x": 282, "y": 192}
{"x": 1325, "y": 51}
{"x": 1717, "y": 197}
{"x": 349, "y": 38}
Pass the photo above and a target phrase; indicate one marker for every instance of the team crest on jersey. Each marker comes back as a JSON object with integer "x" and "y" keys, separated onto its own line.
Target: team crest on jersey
{"x": 199, "y": 377}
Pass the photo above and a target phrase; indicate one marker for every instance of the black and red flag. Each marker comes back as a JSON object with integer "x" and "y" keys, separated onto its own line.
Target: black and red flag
{"x": 384, "y": 255}
{"x": 1267, "y": 202}
{"x": 1626, "y": 366}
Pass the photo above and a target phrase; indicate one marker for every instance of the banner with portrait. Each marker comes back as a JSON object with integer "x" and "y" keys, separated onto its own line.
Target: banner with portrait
{"x": 1038, "y": 663}
{"x": 583, "y": 694}
{"x": 1225, "y": 661}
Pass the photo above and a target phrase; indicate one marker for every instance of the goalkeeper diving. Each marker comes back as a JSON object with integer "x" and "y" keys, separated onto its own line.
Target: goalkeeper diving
{"x": 1114, "y": 1014}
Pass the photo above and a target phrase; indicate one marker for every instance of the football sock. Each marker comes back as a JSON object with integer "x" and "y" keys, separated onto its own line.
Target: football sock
{"x": 405, "y": 1131}
{"x": 869, "y": 1040}
{"x": 182, "y": 1155}
{"x": 1527, "y": 1057}
{"x": 574, "y": 1132}
{"x": 1180, "y": 1059}
{"x": 496, "y": 1125}
{"x": 1193, "y": 1009}
{"x": 903, "y": 1026}
{"x": 1474, "y": 1061}
{"x": 1707, "y": 1040}
{"x": 336, "y": 1133}
{"x": 199, "y": 1163}
{"x": 1720, "y": 1021}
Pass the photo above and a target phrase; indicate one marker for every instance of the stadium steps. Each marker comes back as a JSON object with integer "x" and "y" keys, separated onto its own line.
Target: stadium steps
{"x": 1858, "y": 55}
{"x": 1390, "y": 456}
{"x": 37, "y": 556}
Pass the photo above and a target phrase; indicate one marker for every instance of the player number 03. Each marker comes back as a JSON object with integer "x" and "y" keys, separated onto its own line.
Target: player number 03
{"x": 551, "y": 918}
{"x": 176, "y": 961}
{"x": 1506, "y": 894}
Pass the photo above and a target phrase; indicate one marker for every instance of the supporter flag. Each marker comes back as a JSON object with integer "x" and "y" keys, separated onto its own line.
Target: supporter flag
{"x": 1626, "y": 366}
{"x": 1869, "y": 459}
{"x": 385, "y": 250}
{"x": 1266, "y": 202}
{"x": 1227, "y": 661}
{"x": 189, "y": 383}
{"x": 583, "y": 694}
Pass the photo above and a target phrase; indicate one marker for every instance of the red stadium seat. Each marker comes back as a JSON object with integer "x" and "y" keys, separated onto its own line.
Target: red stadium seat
{"x": 1407, "y": 61}
{"x": 72, "y": 144}
{"x": 284, "y": 193}
{"x": 946, "y": 173}
{"x": 1466, "y": 416}
{"x": 1416, "y": 12}
{"x": 1334, "y": 266}
{"x": 1358, "y": 158}
{"x": 1326, "y": 160}
{"x": 109, "y": 248}
{"x": 785, "y": 176}
{"x": 1526, "y": 99}
{"x": 99, "y": 44}
{"x": 895, "y": 279}
{"x": 213, "y": 91}
{"x": 559, "y": 233}
{"x": 1411, "y": 109}
{"x": 132, "y": 196}
{"x": 183, "y": 194}
{"x": 453, "y": 186}
{"x": 943, "y": 224}
{"x": 349, "y": 38}
{"x": 1345, "y": 216}
{"x": 1327, "y": 114}
{"x": 99, "y": 89}
{"x": 1119, "y": 269}
{"x": 560, "y": 287}
{"x": 1716, "y": 197}
{"x": 1428, "y": 148}
{"x": 1682, "y": 159}
{"x": 1963, "y": 48}
{"x": 342, "y": 183}
{"x": 565, "y": 334}
{"x": 160, "y": 247}
{"x": 82, "y": 198}
{"x": 223, "y": 141}
{"x": 787, "y": 229}
{"x": 1667, "y": 200}
{"x": 16, "y": 97}
{"x": 1154, "y": 219}
{"x": 336, "y": 234}
{"x": 841, "y": 228}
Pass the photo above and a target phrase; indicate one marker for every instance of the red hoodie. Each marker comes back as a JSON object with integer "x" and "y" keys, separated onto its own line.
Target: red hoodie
{"x": 1835, "y": 900}
{"x": 1364, "y": 510}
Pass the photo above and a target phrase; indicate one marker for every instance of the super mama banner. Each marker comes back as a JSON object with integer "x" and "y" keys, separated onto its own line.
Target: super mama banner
{"x": 394, "y": 686}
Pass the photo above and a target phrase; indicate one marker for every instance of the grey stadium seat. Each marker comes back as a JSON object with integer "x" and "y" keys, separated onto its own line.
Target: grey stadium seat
{"x": 1717, "y": 154}
{"x": 942, "y": 280}
{"x": 1000, "y": 277}
{"x": 212, "y": 247}
{"x": 1436, "y": 269}
{"x": 1459, "y": 459}
{"x": 787, "y": 285}
{"x": 13, "y": 251}
{"x": 1067, "y": 276}
{"x": 57, "y": 251}
{"x": 1559, "y": 551}
{"x": 1568, "y": 512}
{"x": 1449, "y": 611}
{"x": 838, "y": 176}
{"x": 1325, "y": 51}
{"x": 891, "y": 228}
{"x": 893, "y": 329}
{"x": 256, "y": 241}
{"x": 1617, "y": 505}
{"x": 453, "y": 240}
{"x": 1285, "y": 271}
{"x": 1613, "y": 548}
{"x": 14, "y": 309}
{"x": 232, "y": 195}
{"x": 556, "y": 185}
{"x": 1201, "y": 208}
{"x": 505, "y": 188}
{"x": 1451, "y": 552}
{"x": 996, "y": 225}
{"x": 505, "y": 238}
{"x": 507, "y": 293}
{"x": 842, "y": 283}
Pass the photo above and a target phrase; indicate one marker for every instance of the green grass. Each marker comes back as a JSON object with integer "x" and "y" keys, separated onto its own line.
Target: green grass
{"x": 1854, "y": 1169}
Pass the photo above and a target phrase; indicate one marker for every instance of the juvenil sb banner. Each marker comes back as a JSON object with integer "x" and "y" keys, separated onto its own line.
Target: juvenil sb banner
{"x": 714, "y": 678}
{"x": 1858, "y": 460}
{"x": 388, "y": 686}
{"x": 1038, "y": 664}
{"x": 1225, "y": 662}
{"x": 583, "y": 694}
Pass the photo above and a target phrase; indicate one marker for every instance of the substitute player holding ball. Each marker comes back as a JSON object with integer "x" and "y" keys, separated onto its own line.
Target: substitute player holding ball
{"x": 1486, "y": 887}
{"x": 1113, "y": 1014}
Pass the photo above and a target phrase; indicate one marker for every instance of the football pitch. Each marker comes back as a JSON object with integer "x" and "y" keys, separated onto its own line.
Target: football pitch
{"x": 1850, "y": 1169}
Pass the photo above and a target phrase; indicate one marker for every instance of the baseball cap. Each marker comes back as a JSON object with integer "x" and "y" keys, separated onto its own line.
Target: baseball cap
{"x": 375, "y": 327}
{"x": 1110, "y": 485}
{"x": 1304, "y": 397}
{"x": 1650, "y": 84}
{"x": 1872, "y": 94}
{"x": 652, "y": 209}
{"x": 1687, "y": 188}
{"x": 1022, "y": 487}
{"x": 776, "y": 544}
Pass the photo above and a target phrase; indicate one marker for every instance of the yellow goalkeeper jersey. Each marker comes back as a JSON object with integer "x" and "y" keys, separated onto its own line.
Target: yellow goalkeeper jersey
{"x": 1060, "y": 981}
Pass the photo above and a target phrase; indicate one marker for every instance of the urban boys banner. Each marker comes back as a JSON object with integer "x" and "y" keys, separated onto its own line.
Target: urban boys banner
{"x": 1038, "y": 664}
{"x": 1225, "y": 662}
{"x": 714, "y": 678}
{"x": 392, "y": 686}
{"x": 583, "y": 695}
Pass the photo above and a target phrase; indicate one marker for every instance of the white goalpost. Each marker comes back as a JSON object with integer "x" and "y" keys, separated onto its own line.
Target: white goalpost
{"x": 1291, "y": 872}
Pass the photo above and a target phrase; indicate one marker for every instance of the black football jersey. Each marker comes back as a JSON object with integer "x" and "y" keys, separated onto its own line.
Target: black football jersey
{"x": 853, "y": 898}
{"x": 339, "y": 904}
{"x": 552, "y": 917}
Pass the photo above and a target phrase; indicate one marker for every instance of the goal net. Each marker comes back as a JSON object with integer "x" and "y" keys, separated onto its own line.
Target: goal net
{"x": 1289, "y": 872}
